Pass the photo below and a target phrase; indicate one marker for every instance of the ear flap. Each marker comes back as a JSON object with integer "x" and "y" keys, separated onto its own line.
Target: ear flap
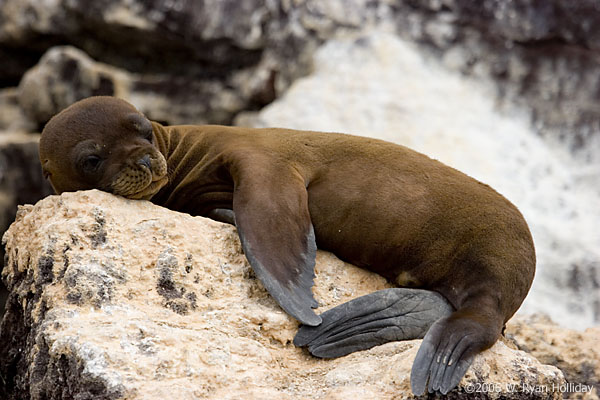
{"x": 48, "y": 175}
{"x": 139, "y": 123}
{"x": 45, "y": 171}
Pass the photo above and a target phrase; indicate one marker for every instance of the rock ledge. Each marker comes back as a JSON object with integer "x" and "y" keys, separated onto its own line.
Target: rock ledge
{"x": 112, "y": 298}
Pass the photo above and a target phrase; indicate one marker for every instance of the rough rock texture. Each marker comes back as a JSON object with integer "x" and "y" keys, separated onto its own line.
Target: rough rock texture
{"x": 112, "y": 298}
{"x": 542, "y": 54}
{"x": 21, "y": 181}
{"x": 12, "y": 116}
{"x": 66, "y": 74}
{"x": 204, "y": 61}
{"x": 577, "y": 354}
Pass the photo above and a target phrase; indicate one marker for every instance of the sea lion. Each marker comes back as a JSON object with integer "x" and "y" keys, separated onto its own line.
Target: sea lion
{"x": 375, "y": 204}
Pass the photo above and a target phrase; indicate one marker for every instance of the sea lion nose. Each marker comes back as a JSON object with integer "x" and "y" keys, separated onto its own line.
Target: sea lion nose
{"x": 145, "y": 161}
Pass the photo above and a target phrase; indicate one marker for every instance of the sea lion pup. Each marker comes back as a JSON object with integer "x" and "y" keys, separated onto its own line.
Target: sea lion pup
{"x": 375, "y": 204}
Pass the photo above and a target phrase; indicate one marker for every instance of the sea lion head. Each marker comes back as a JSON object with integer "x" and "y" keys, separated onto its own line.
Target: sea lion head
{"x": 102, "y": 143}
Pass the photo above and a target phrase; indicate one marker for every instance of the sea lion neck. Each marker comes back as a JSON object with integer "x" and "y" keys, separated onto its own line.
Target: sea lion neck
{"x": 175, "y": 142}
{"x": 162, "y": 138}
{"x": 197, "y": 165}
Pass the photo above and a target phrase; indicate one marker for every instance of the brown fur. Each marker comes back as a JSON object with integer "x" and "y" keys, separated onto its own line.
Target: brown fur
{"x": 375, "y": 204}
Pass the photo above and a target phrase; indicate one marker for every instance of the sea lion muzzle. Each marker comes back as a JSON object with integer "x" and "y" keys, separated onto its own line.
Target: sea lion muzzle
{"x": 141, "y": 179}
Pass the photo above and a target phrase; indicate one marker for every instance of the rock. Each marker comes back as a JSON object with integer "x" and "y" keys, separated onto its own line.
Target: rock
{"x": 15, "y": 62}
{"x": 378, "y": 85}
{"x": 576, "y": 354}
{"x": 63, "y": 76}
{"x": 21, "y": 179}
{"x": 160, "y": 35}
{"x": 186, "y": 61}
{"x": 530, "y": 49}
{"x": 66, "y": 74}
{"x": 12, "y": 117}
{"x": 113, "y": 298}
{"x": 542, "y": 55}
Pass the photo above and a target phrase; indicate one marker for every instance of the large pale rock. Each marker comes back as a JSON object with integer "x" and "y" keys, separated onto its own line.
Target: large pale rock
{"x": 112, "y": 298}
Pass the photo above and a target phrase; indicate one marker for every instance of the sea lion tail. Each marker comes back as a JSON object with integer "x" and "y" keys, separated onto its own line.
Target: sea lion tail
{"x": 377, "y": 318}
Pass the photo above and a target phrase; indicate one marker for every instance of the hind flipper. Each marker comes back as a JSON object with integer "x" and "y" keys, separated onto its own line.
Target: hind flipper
{"x": 377, "y": 318}
{"x": 448, "y": 350}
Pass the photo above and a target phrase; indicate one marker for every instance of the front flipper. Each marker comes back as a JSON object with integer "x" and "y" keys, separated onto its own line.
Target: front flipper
{"x": 377, "y": 318}
{"x": 222, "y": 215}
{"x": 271, "y": 215}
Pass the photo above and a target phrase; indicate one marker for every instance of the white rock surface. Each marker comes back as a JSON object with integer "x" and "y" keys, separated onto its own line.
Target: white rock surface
{"x": 125, "y": 299}
{"x": 377, "y": 85}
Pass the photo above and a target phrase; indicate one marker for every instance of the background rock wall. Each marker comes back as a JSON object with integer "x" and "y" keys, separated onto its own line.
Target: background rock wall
{"x": 531, "y": 71}
{"x": 228, "y": 56}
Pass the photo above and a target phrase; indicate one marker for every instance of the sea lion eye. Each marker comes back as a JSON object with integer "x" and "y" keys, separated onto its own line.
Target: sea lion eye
{"x": 91, "y": 163}
{"x": 148, "y": 135}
